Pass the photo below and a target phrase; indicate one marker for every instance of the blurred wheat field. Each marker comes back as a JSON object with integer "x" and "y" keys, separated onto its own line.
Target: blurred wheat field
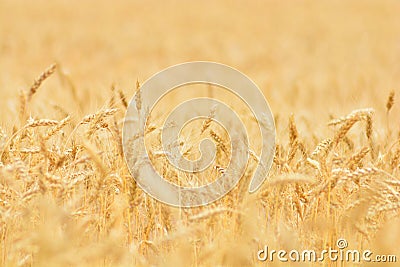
{"x": 329, "y": 70}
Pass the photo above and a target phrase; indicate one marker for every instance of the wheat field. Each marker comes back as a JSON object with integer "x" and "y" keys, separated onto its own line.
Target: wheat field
{"x": 330, "y": 71}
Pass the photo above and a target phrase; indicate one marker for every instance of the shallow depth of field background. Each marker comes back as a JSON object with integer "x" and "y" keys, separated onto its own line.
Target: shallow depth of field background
{"x": 317, "y": 60}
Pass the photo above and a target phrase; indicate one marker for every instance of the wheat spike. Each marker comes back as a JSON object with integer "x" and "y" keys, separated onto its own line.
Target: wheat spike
{"x": 219, "y": 140}
{"x": 344, "y": 129}
{"x": 57, "y": 128}
{"x": 43, "y": 76}
{"x": 293, "y": 133}
{"x": 138, "y": 97}
{"x": 41, "y": 122}
{"x": 293, "y": 139}
{"x": 123, "y": 99}
{"x": 322, "y": 148}
{"x": 22, "y": 105}
{"x": 358, "y": 114}
{"x": 209, "y": 119}
{"x": 390, "y": 101}
{"x": 356, "y": 158}
{"x": 98, "y": 115}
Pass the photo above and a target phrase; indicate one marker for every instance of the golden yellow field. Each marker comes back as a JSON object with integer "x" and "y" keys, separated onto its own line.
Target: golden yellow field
{"x": 330, "y": 71}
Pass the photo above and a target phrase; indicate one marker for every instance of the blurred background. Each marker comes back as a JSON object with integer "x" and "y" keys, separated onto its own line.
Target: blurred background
{"x": 307, "y": 56}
